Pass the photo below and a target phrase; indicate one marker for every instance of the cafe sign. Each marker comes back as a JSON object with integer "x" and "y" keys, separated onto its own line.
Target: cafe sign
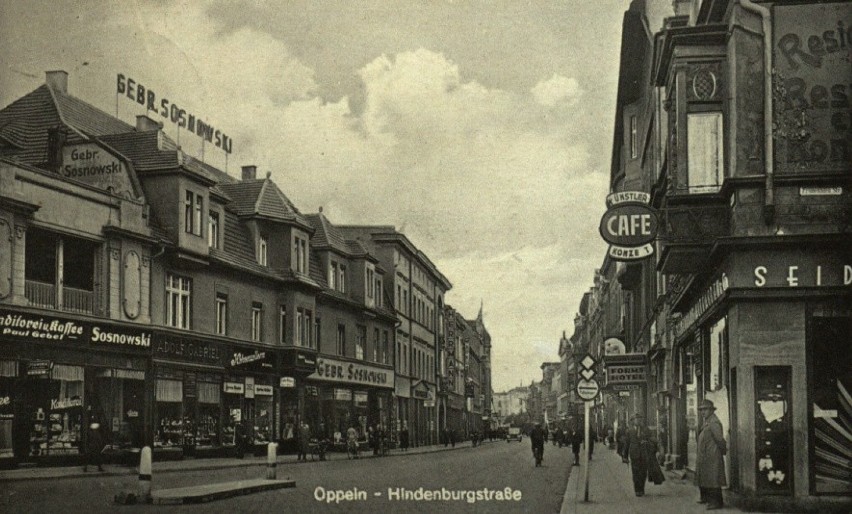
{"x": 629, "y": 225}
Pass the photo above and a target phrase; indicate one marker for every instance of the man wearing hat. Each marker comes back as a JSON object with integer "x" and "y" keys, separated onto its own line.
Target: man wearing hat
{"x": 639, "y": 448}
{"x": 710, "y": 463}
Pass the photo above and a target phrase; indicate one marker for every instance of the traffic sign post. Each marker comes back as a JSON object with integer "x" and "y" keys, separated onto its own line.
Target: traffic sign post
{"x": 587, "y": 389}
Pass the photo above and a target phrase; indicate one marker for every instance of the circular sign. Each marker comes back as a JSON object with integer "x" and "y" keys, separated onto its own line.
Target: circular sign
{"x": 588, "y": 389}
{"x": 629, "y": 225}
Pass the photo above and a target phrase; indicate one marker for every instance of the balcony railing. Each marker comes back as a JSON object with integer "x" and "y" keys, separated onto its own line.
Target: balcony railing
{"x": 42, "y": 294}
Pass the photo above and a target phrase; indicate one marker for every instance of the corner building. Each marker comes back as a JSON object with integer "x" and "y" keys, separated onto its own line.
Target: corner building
{"x": 738, "y": 135}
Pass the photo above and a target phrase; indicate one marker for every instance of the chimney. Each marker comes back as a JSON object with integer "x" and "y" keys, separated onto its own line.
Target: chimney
{"x": 57, "y": 80}
{"x": 249, "y": 172}
{"x": 145, "y": 123}
{"x": 682, "y": 7}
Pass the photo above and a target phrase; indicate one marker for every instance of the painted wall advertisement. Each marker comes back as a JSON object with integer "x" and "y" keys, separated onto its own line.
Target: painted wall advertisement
{"x": 813, "y": 121}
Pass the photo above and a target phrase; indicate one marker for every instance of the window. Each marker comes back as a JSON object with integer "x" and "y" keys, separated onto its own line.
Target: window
{"x": 634, "y": 138}
{"x": 376, "y": 346}
{"x": 304, "y": 325}
{"x": 192, "y": 213}
{"x": 221, "y": 314}
{"x": 341, "y": 339}
{"x": 256, "y": 321}
{"x": 317, "y": 332}
{"x": 398, "y": 297}
{"x": 360, "y": 342}
{"x": 385, "y": 347}
{"x": 282, "y": 324}
{"x": 332, "y": 275}
{"x": 301, "y": 257}
{"x": 379, "y": 292}
{"x": 341, "y": 279}
{"x": 405, "y": 302}
{"x": 704, "y": 152}
{"x": 262, "y": 246}
{"x": 178, "y": 290}
{"x": 369, "y": 284}
{"x": 213, "y": 229}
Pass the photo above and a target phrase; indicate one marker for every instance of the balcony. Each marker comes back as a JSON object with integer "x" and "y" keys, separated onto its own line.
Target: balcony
{"x": 687, "y": 233}
{"x": 43, "y": 295}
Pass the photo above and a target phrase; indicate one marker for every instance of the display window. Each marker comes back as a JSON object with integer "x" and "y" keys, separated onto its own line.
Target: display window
{"x": 8, "y": 372}
{"x": 313, "y": 415}
{"x": 289, "y": 414}
{"x": 259, "y": 411}
{"x": 170, "y": 422}
{"x": 118, "y": 396}
{"x": 208, "y": 411}
{"x": 56, "y": 411}
{"x": 232, "y": 403}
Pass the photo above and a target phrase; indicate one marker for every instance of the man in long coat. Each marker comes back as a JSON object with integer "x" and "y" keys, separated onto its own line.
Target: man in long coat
{"x": 640, "y": 449}
{"x": 710, "y": 463}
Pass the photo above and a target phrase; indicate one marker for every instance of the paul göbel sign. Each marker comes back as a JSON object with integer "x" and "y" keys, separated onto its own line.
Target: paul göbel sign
{"x": 24, "y": 327}
{"x": 629, "y": 225}
{"x": 333, "y": 370}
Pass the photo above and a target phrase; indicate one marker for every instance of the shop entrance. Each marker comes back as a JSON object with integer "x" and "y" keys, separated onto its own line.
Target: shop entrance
{"x": 830, "y": 377}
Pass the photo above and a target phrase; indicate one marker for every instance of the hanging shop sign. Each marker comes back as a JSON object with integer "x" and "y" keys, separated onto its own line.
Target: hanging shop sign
{"x": 707, "y": 299}
{"x": 262, "y": 390}
{"x": 625, "y": 369}
{"x": 170, "y": 111}
{"x": 343, "y": 395}
{"x": 25, "y": 327}
{"x": 629, "y": 225}
{"x": 340, "y": 371}
{"x": 39, "y": 368}
{"x": 614, "y": 346}
{"x": 233, "y": 387}
{"x": 287, "y": 382}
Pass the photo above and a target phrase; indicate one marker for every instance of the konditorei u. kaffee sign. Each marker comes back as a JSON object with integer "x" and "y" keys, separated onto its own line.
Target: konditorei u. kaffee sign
{"x": 629, "y": 225}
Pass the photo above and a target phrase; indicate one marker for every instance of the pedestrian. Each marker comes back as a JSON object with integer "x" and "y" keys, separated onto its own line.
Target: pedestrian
{"x": 557, "y": 437}
{"x": 446, "y": 436}
{"x": 453, "y": 438}
{"x": 304, "y": 442}
{"x": 593, "y": 434}
{"x": 620, "y": 438}
{"x": 537, "y": 438}
{"x": 352, "y": 449}
{"x": 640, "y": 451}
{"x": 403, "y": 437}
{"x": 710, "y": 462}
{"x": 94, "y": 447}
{"x": 576, "y": 441}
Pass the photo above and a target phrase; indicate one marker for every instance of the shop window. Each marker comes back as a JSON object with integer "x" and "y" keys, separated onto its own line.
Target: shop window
{"x": 207, "y": 421}
{"x": 704, "y": 152}
{"x": 178, "y": 291}
{"x": 715, "y": 378}
{"x": 119, "y": 396}
{"x": 169, "y": 413}
{"x": 54, "y": 408}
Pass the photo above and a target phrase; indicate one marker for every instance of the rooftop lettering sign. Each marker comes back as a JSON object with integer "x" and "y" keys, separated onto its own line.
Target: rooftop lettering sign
{"x": 172, "y": 112}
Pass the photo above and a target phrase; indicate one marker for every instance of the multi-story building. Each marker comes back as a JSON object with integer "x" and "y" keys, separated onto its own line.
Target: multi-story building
{"x": 417, "y": 289}
{"x": 549, "y": 391}
{"x": 511, "y": 402}
{"x": 732, "y": 118}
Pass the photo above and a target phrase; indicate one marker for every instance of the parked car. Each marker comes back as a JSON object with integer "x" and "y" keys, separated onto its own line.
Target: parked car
{"x": 514, "y": 433}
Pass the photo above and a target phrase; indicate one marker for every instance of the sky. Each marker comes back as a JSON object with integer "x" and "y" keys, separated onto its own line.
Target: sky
{"x": 480, "y": 129}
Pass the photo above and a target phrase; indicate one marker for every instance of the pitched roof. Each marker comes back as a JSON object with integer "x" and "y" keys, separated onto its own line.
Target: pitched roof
{"x": 262, "y": 198}
{"x": 326, "y": 235}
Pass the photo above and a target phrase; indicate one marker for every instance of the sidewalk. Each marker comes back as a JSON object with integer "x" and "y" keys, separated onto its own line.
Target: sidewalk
{"x": 611, "y": 490}
{"x": 179, "y": 466}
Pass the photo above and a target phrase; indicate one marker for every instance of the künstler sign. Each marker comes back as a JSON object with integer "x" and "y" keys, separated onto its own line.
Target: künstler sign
{"x": 629, "y": 225}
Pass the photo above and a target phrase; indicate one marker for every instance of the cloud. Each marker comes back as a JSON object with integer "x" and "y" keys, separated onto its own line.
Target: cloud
{"x": 557, "y": 91}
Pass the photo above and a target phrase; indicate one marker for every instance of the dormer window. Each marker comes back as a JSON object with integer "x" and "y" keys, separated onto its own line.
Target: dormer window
{"x": 262, "y": 246}
{"x": 300, "y": 257}
{"x": 378, "y": 291}
{"x": 332, "y": 275}
{"x": 370, "y": 285}
{"x": 341, "y": 279}
{"x": 192, "y": 212}
{"x": 213, "y": 229}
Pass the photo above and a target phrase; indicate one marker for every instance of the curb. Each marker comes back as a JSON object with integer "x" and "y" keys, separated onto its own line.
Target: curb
{"x": 211, "y": 492}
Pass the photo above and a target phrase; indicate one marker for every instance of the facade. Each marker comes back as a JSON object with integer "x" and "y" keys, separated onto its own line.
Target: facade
{"x": 182, "y": 307}
{"x": 417, "y": 289}
{"x": 737, "y": 134}
{"x": 511, "y": 402}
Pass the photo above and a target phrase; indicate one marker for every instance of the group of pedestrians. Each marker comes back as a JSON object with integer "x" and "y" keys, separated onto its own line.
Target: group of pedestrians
{"x": 638, "y": 448}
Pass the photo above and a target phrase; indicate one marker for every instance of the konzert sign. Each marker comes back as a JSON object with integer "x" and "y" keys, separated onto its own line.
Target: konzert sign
{"x": 629, "y": 225}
